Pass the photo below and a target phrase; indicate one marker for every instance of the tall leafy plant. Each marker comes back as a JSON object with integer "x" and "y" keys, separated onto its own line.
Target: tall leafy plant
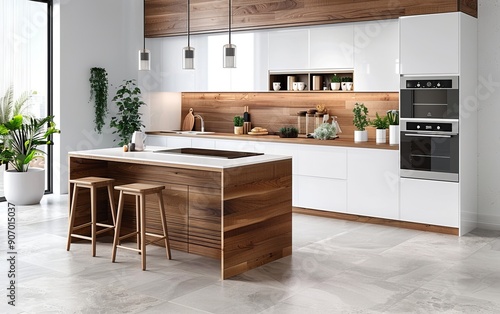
{"x": 128, "y": 118}
{"x": 99, "y": 93}
{"x": 360, "y": 120}
{"x": 23, "y": 139}
{"x": 10, "y": 107}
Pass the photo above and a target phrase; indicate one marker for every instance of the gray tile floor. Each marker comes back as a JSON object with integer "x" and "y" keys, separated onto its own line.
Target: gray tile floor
{"x": 336, "y": 267}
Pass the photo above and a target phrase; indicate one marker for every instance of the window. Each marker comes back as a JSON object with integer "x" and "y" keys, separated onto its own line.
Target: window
{"x": 25, "y": 58}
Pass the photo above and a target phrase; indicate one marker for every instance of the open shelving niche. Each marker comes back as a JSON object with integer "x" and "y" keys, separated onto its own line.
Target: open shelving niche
{"x": 307, "y": 77}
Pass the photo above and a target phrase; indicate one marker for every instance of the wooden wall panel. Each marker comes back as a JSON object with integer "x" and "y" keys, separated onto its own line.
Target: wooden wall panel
{"x": 275, "y": 110}
{"x": 168, "y": 17}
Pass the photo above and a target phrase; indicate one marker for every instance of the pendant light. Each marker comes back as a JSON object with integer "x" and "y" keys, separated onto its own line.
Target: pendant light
{"x": 144, "y": 54}
{"x": 230, "y": 49}
{"x": 188, "y": 52}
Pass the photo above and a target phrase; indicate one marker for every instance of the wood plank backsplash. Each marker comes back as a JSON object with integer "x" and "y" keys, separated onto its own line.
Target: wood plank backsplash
{"x": 273, "y": 110}
{"x": 169, "y": 17}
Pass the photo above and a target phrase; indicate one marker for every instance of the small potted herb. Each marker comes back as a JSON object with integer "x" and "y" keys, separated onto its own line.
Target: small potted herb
{"x": 238, "y": 125}
{"x": 335, "y": 82}
{"x": 346, "y": 83}
{"x": 393, "y": 119}
{"x": 360, "y": 121}
{"x": 381, "y": 124}
{"x": 289, "y": 132}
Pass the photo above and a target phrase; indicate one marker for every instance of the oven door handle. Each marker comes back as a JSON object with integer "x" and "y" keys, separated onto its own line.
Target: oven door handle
{"x": 427, "y": 135}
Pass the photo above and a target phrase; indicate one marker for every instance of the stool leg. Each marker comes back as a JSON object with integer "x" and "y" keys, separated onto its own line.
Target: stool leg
{"x": 138, "y": 221}
{"x": 117, "y": 226}
{"x": 71, "y": 221}
{"x": 112, "y": 203}
{"x": 93, "y": 210}
{"x": 143, "y": 231}
{"x": 164, "y": 224}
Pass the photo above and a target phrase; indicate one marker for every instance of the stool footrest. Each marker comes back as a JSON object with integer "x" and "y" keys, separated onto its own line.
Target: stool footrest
{"x": 128, "y": 248}
{"x": 128, "y": 235}
{"x": 79, "y": 236}
{"x": 104, "y": 230}
{"x": 82, "y": 226}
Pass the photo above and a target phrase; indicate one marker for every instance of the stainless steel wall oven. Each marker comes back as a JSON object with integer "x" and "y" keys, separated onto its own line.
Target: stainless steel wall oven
{"x": 429, "y": 97}
{"x": 429, "y": 126}
{"x": 429, "y": 149}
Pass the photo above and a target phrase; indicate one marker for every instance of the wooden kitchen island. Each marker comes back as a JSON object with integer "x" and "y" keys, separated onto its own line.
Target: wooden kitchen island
{"x": 236, "y": 210}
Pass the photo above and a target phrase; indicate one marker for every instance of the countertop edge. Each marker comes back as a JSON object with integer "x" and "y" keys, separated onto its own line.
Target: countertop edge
{"x": 339, "y": 142}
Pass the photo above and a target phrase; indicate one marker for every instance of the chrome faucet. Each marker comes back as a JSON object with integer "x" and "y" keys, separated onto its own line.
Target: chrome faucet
{"x": 202, "y": 122}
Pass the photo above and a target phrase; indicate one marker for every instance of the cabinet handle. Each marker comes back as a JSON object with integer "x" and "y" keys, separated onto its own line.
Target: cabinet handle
{"x": 427, "y": 135}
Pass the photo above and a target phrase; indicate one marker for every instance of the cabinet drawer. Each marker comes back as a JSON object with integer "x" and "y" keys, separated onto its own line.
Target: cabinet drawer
{"x": 325, "y": 162}
{"x": 321, "y": 193}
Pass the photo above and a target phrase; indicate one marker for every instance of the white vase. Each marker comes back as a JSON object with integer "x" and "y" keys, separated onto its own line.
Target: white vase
{"x": 335, "y": 85}
{"x": 360, "y": 136}
{"x": 24, "y": 188}
{"x": 393, "y": 134}
{"x": 346, "y": 86}
{"x": 380, "y": 136}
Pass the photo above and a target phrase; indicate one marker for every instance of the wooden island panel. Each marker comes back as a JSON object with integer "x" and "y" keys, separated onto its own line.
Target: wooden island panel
{"x": 257, "y": 216}
{"x": 241, "y": 216}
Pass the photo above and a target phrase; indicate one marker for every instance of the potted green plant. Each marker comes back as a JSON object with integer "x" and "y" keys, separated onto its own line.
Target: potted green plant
{"x": 128, "y": 119}
{"x": 393, "y": 119}
{"x": 238, "y": 125}
{"x": 99, "y": 93}
{"x": 360, "y": 121}
{"x": 335, "y": 82}
{"x": 24, "y": 185}
{"x": 10, "y": 107}
{"x": 346, "y": 83}
{"x": 288, "y": 132}
{"x": 381, "y": 124}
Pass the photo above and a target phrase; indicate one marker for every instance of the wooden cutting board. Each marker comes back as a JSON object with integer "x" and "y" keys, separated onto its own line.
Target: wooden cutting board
{"x": 188, "y": 123}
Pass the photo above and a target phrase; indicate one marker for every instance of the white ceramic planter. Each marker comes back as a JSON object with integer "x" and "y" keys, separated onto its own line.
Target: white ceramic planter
{"x": 24, "y": 188}
{"x": 393, "y": 134}
{"x": 335, "y": 86}
{"x": 380, "y": 136}
{"x": 347, "y": 86}
{"x": 360, "y": 136}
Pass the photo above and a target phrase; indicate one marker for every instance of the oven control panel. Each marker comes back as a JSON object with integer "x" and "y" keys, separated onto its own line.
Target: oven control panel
{"x": 425, "y": 83}
{"x": 425, "y": 126}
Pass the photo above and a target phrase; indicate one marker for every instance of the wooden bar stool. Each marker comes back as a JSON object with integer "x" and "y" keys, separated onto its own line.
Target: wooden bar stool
{"x": 92, "y": 183}
{"x": 140, "y": 190}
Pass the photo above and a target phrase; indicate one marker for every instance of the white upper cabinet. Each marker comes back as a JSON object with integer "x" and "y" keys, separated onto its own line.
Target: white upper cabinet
{"x": 331, "y": 47}
{"x": 430, "y": 44}
{"x": 376, "y": 56}
{"x": 289, "y": 49}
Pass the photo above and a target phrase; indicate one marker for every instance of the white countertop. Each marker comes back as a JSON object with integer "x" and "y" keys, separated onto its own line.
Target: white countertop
{"x": 149, "y": 157}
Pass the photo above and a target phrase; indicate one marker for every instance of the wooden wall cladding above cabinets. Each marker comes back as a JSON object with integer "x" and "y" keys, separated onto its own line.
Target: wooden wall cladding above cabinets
{"x": 168, "y": 17}
{"x": 275, "y": 110}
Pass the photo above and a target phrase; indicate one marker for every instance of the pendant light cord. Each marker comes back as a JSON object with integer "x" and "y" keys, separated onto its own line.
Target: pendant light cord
{"x": 188, "y": 22}
{"x": 230, "y": 19}
{"x": 144, "y": 22}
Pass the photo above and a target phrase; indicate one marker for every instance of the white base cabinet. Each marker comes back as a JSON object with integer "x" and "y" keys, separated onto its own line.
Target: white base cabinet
{"x": 430, "y": 202}
{"x": 373, "y": 183}
{"x": 320, "y": 193}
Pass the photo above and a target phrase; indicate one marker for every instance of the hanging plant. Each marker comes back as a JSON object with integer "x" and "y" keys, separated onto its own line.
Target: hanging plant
{"x": 99, "y": 92}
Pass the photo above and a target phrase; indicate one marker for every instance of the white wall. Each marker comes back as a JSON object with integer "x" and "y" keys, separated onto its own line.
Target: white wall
{"x": 89, "y": 33}
{"x": 489, "y": 114}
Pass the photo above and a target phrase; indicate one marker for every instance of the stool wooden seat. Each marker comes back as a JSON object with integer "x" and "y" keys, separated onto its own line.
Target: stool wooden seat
{"x": 92, "y": 183}
{"x": 140, "y": 190}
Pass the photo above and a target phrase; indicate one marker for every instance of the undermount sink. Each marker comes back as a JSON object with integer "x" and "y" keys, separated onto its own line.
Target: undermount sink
{"x": 208, "y": 152}
{"x": 188, "y": 132}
